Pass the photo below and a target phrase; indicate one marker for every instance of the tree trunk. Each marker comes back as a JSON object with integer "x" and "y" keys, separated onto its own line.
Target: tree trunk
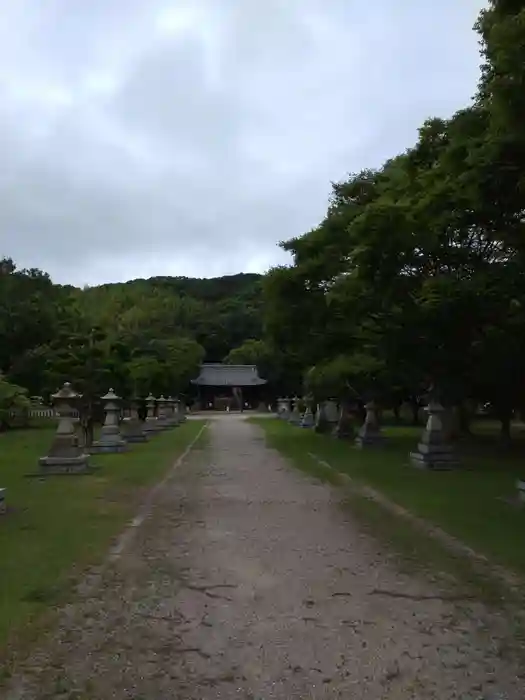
{"x": 87, "y": 424}
{"x": 90, "y": 431}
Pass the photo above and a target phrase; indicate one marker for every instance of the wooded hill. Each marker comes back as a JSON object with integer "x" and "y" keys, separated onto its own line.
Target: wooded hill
{"x": 218, "y": 313}
{"x": 138, "y": 336}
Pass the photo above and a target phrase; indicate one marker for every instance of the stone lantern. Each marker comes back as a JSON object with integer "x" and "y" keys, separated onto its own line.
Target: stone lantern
{"x": 65, "y": 455}
{"x": 162, "y": 412}
{"x": 369, "y": 433}
{"x": 331, "y": 412}
{"x": 178, "y": 412}
{"x": 434, "y": 450}
{"x": 172, "y": 412}
{"x": 111, "y": 439}
{"x": 152, "y": 424}
{"x": 295, "y": 415}
{"x": 133, "y": 427}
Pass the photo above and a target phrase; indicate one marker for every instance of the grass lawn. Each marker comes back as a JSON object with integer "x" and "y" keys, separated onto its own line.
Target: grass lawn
{"x": 468, "y": 503}
{"x": 59, "y": 525}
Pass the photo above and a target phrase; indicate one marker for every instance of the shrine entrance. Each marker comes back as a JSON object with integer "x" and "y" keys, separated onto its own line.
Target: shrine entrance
{"x": 229, "y": 387}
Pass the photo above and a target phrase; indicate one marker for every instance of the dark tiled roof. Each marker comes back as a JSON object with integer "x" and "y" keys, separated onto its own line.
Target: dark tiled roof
{"x": 216, "y": 374}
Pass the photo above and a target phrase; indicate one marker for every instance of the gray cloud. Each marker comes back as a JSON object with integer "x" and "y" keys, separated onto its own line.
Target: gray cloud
{"x": 140, "y": 137}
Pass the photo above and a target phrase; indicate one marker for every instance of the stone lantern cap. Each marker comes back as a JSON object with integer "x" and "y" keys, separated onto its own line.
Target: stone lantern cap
{"x": 67, "y": 392}
{"x": 110, "y": 396}
{"x": 150, "y": 398}
{"x": 162, "y": 399}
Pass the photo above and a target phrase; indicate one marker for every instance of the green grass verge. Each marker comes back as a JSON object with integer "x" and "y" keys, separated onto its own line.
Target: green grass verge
{"x": 469, "y": 503}
{"x": 58, "y": 526}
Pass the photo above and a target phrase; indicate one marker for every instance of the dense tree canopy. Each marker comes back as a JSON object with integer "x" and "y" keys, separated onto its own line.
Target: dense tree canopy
{"x": 415, "y": 276}
{"x": 141, "y": 336}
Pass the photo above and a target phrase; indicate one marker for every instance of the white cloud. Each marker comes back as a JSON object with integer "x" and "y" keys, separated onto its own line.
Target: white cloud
{"x": 142, "y": 137}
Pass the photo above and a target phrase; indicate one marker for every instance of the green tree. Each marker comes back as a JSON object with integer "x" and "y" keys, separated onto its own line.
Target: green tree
{"x": 12, "y": 398}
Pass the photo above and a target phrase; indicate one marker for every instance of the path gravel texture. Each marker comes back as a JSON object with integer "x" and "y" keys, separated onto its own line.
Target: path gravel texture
{"x": 249, "y": 580}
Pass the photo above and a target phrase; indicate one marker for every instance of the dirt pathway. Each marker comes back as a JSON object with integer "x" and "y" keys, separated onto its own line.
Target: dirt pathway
{"x": 247, "y": 580}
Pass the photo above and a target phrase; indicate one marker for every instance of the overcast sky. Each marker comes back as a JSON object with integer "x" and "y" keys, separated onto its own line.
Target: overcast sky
{"x": 143, "y": 137}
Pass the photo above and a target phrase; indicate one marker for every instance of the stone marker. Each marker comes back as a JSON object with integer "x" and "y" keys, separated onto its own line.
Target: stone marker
{"x": 151, "y": 424}
{"x": 295, "y": 415}
{"x": 344, "y": 429}
{"x": 65, "y": 455}
{"x": 434, "y": 451}
{"x": 3, "y": 507}
{"x": 133, "y": 427}
{"x": 111, "y": 439}
{"x": 369, "y": 434}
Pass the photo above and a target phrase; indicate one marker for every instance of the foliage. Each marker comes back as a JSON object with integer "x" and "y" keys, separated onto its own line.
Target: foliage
{"x": 12, "y": 398}
{"x": 268, "y": 360}
{"x": 418, "y": 265}
{"x": 139, "y": 337}
{"x": 219, "y": 314}
{"x": 344, "y": 377}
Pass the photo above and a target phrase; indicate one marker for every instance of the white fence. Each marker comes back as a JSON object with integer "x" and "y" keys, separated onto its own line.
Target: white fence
{"x": 40, "y": 412}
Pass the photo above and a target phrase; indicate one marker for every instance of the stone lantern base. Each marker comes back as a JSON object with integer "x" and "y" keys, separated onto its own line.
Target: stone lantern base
{"x": 133, "y": 430}
{"x": 434, "y": 450}
{"x": 56, "y": 466}
{"x": 152, "y": 426}
{"x": 369, "y": 438}
{"x": 65, "y": 457}
{"x": 369, "y": 434}
{"x": 434, "y": 456}
{"x": 162, "y": 424}
{"x": 110, "y": 441}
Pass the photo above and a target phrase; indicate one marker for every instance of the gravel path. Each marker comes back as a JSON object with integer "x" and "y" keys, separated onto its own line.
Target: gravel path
{"x": 248, "y": 580}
